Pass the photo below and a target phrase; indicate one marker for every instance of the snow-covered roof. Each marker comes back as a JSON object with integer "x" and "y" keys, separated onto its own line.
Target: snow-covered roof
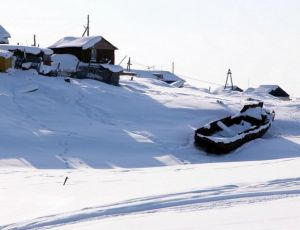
{"x": 5, "y": 54}
{"x": 67, "y": 62}
{"x": 3, "y": 33}
{"x": 267, "y": 88}
{"x": 28, "y": 49}
{"x": 263, "y": 89}
{"x": 83, "y": 42}
{"x": 228, "y": 88}
{"x": 113, "y": 68}
{"x": 273, "y": 90}
{"x": 166, "y": 75}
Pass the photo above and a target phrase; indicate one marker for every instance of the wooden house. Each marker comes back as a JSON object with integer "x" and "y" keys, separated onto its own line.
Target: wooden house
{"x": 94, "y": 49}
{"x": 4, "y": 36}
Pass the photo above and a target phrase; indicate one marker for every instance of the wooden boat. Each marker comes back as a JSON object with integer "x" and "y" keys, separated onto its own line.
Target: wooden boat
{"x": 227, "y": 134}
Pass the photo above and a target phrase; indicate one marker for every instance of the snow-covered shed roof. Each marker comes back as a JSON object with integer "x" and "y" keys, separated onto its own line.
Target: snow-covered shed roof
{"x": 3, "y": 33}
{"x": 113, "y": 68}
{"x": 28, "y": 49}
{"x": 82, "y": 42}
{"x": 263, "y": 89}
{"x": 228, "y": 88}
{"x": 267, "y": 88}
{"x": 165, "y": 75}
{"x": 274, "y": 90}
{"x": 5, "y": 54}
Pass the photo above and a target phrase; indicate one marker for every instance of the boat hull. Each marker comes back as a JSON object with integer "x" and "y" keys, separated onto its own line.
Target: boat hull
{"x": 222, "y": 148}
{"x": 204, "y": 136}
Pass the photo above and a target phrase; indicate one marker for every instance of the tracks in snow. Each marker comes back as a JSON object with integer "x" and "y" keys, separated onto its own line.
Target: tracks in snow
{"x": 216, "y": 197}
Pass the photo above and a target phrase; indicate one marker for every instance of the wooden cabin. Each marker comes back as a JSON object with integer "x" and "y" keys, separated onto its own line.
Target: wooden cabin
{"x": 94, "y": 49}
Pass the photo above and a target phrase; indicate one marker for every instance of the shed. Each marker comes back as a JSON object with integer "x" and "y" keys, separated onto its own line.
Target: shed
{"x": 5, "y": 60}
{"x": 274, "y": 90}
{"x": 93, "y": 49}
{"x": 234, "y": 88}
{"x": 107, "y": 73}
{"x": 166, "y": 76}
{"x": 4, "y": 36}
{"x": 228, "y": 89}
{"x": 162, "y": 75}
{"x": 27, "y": 54}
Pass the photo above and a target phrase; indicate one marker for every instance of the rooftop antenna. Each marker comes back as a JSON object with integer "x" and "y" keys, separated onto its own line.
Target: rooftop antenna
{"x": 87, "y": 27}
{"x": 229, "y": 75}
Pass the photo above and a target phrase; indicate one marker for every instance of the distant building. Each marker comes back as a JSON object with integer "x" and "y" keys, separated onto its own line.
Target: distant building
{"x": 165, "y": 76}
{"x": 233, "y": 88}
{"x": 273, "y": 90}
{"x": 94, "y": 49}
{"x": 228, "y": 89}
{"x": 4, "y": 36}
{"x": 161, "y": 75}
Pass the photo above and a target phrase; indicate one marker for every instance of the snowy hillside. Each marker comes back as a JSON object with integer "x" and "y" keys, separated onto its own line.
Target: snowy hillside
{"x": 120, "y": 140}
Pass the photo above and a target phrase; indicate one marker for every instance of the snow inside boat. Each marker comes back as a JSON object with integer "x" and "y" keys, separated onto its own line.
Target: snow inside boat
{"x": 227, "y": 134}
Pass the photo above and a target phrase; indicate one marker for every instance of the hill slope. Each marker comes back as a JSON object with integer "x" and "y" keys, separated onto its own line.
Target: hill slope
{"x": 119, "y": 138}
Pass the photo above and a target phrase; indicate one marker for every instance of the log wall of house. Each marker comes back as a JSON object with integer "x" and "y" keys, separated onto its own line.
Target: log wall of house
{"x": 85, "y": 55}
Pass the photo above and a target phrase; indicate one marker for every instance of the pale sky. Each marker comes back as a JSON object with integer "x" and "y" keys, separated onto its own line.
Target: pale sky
{"x": 257, "y": 39}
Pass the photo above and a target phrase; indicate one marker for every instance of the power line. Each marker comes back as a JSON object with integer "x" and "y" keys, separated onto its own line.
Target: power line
{"x": 181, "y": 75}
{"x": 197, "y": 79}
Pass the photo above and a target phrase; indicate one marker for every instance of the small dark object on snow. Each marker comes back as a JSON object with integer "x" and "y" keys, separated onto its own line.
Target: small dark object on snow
{"x": 229, "y": 133}
{"x": 68, "y": 80}
{"x": 31, "y": 91}
{"x": 65, "y": 181}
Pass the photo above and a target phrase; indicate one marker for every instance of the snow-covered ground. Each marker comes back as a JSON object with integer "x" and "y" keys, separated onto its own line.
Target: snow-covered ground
{"x": 129, "y": 155}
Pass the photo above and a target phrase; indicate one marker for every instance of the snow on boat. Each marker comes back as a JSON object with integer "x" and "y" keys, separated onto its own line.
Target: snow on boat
{"x": 227, "y": 134}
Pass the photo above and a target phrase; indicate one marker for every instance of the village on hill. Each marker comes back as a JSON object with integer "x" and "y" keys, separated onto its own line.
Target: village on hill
{"x": 90, "y": 57}
{"x": 87, "y": 142}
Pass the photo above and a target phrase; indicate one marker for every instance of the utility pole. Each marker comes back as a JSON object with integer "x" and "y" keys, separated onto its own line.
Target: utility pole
{"x": 129, "y": 64}
{"x": 173, "y": 67}
{"x": 87, "y": 27}
{"x": 34, "y": 40}
{"x": 229, "y": 75}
